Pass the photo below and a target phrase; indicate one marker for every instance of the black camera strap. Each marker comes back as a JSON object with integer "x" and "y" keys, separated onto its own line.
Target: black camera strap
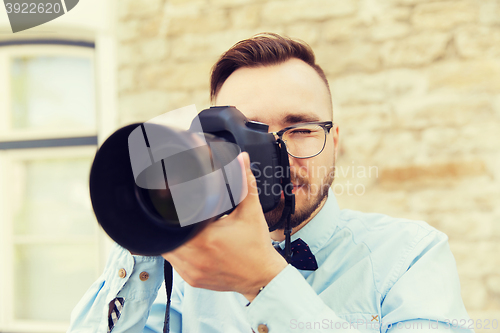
{"x": 289, "y": 208}
{"x": 169, "y": 280}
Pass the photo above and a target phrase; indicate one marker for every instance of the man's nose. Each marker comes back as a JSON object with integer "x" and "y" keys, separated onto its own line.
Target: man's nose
{"x": 292, "y": 161}
{"x": 294, "y": 166}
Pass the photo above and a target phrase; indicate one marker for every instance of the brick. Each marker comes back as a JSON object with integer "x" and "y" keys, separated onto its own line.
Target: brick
{"x": 389, "y": 30}
{"x": 201, "y": 98}
{"x": 154, "y": 49}
{"x": 415, "y": 175}
{"x": 344, "y": 29}
{"x": 475, "y": 76}
{"x": 496, "y": 106}
{"x": 475, "y": 259}
{"x": 360, "y": 146}
{"x": 128, "y": 54}
{"x": 489, "y": 12}
{"x": 439, "y": 200}
{"x": 481, "y": 137}
{"x": 493, "y": 284}
{"x": 263, "y": 28}
{"x": 151, "y": 27}
{"x": 397, "y": 14}
{"x": 444, "y": 15}
{"x": 365, "y": 117}
{"x": 142, "y": 8}
{"x": 284, "y": 12}
{"x": 374, "y": 12}
{"x": 448, "y": 143}
{"x": 126, "y": 79}
{"x": 143, "y": 51}
{"x": 355, "y": 170}
{"x": 128, "y": 30}
{"x": 245, "y": 17}
{"x": 490, "y": 313}
{"x": 378, "y": 88}
{"x": 208, "y": 45}
{"x": 444, "y": 110}
{"x": 358, "y": 88}
{"x": 492, "y": 161}
{"x": 488, "y": 200}
{"x": 185, "y": 8}
{"x": 410, "y": 2}
{"x": 478, "y": 42}
{"x": 174, "y": 76}
{"x": 142, "y": 106}
{"x": 393, "y": 151}
{"x": 474, "y": 293}
{"x": 468, "y": 226}
{"x": 370, "y": 12}
{"x": 470, "y": 194}
{"x": 212, "y": 20}
{"x": 415, "y": 50}
{"x": 345, "y": 57}
{"x": 232, "y": 3}
{"x": 123, "y": 9}
{"x": 191, "y": 3}
{"x": 309, "y": 33}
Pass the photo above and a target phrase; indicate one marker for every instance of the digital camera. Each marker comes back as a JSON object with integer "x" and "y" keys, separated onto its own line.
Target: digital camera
{"x": 153, "y": 187}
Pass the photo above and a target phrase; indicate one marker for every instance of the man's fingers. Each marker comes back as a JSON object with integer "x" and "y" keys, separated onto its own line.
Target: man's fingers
{"x": 251, "y": 183}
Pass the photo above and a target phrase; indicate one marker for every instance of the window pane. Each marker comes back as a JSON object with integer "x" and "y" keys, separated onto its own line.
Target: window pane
{"x": 54, "y": 198}
{"x": 50, "y": 279}
{"x": 52, "y": 92}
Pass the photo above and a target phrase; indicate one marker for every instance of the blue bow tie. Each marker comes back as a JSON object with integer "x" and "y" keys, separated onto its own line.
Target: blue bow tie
{"x": 302, "y": 257}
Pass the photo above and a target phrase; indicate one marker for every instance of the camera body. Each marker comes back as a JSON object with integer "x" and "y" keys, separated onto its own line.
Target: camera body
{"x": 228, "y": 123}
{"x": 142, "y": 208}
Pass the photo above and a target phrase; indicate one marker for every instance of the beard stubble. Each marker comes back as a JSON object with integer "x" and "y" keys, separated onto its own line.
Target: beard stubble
{"x": 314, "y": 199}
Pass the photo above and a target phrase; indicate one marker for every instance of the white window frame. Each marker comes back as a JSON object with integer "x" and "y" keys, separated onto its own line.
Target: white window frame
{"x": 8, "y": 52}
{"x": 9, "y": 160}
{"x": 106, "y": 122}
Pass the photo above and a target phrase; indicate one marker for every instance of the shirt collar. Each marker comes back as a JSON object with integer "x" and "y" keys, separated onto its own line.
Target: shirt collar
{"x": 321, "y": 227}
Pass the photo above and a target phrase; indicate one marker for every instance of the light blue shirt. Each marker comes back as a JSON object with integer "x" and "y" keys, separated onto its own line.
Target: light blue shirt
{"x": 376, "y": 274}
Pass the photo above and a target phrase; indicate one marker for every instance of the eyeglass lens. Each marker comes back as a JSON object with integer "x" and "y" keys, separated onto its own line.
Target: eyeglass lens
{"x": 305, "y": 141}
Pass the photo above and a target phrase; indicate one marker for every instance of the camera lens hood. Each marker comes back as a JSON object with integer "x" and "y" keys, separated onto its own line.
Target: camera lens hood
{"x": 121, "y": 207}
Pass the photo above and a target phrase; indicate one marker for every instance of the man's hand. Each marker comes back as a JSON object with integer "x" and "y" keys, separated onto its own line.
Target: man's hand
{"x": 233, "y": 253}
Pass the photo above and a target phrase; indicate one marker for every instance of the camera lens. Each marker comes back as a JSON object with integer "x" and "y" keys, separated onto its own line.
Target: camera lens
{"x": 152, "y": 185}
{"x": 175, "y": 170}
{"x": 164, "y": 204}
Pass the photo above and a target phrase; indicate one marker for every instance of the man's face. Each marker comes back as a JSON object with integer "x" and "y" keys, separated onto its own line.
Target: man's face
{"x": 280, "y": 96}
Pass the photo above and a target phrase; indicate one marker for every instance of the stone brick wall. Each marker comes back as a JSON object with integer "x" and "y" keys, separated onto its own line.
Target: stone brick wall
{"x": 416, "y": 89}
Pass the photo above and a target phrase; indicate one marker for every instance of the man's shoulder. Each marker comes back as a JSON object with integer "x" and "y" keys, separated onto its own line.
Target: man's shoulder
{"x": 372, "y": 228}
{"x": 391, "y": 241}
{"x": 394, "y": 244}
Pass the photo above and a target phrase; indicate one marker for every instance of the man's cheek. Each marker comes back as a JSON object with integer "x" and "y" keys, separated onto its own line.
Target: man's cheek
{"x": 300, "y": 172}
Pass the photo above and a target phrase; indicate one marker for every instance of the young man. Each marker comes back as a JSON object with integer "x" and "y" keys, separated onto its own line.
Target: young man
{"x": 360, "y": 272}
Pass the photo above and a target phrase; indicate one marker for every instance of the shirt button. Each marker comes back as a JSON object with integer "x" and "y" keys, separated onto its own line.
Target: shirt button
{"x": 144, "y": 276}
{"x": 122, "y": 273}
{"x": 262, "y": 328}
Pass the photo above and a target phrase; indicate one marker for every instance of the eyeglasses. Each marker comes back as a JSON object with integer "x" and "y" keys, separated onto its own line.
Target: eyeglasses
{"x": 305, "y": 140}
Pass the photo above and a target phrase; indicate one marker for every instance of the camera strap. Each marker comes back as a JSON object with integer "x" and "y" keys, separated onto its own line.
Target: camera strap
{"x": 289, "y": 208}
{"x": 169, "y": 280}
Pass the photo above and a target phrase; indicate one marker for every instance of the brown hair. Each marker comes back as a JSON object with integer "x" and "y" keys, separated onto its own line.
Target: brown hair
{"x": 261, "y": 50}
